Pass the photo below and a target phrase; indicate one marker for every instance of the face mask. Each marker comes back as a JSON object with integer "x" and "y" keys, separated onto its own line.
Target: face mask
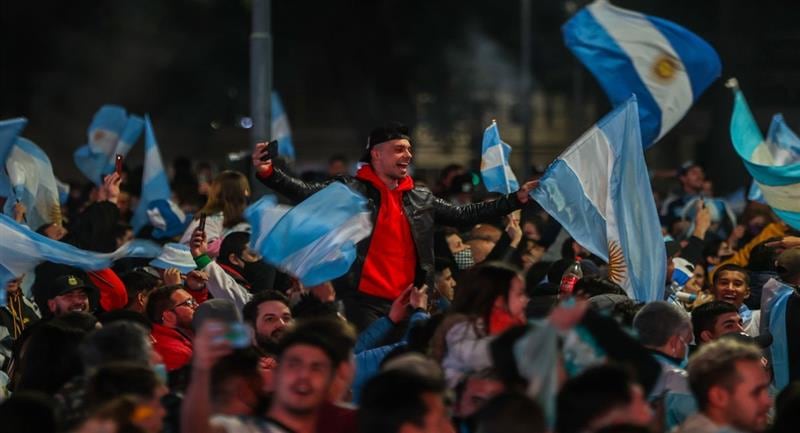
{"x": 260, "y": 275}
{"x": 161, "y": 371}
{"x": 464, "y": 259}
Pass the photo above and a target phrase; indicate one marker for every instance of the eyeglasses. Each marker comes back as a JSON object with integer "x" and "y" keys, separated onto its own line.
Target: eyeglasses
{"x": 191, "y": 303}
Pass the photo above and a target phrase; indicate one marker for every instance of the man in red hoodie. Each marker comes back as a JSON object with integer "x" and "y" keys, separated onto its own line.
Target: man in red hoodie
{"x": 399, "y": 253}
{"x": 170, "y": 309}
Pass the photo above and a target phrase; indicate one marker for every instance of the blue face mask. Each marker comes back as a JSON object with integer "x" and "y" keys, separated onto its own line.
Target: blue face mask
{"x": 685, "y": 361}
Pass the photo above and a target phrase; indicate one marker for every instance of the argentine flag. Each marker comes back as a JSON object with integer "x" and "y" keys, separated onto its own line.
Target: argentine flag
{"x": 665, "y": 65}
{"x": 784, "y": 144}
{"x": 155, "y": 185}
{"x": 9, "y": 131}
{"x": 280, "y": 128}
{"x": 27, "y": 176}
{"x": 495, "y": 171}
{"x": 774, "y": 168}
{"x": 111, "y": 132}
{"x": 23, "y": 249}
{"x": 599, "y": 190}
{"x": 316, "y": 240}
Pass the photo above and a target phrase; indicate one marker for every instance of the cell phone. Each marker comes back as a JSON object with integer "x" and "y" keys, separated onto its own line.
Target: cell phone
{"x": 272, "y": 150}
{"x": 118, "y": 164}
{"x": 239, "y": 335}
{"x": 202, "y": 225}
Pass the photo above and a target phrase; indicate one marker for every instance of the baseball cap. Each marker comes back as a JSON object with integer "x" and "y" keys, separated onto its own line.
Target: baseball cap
{"x": 788, "y": 263}
{"x": 389, "y": 131}
{"x": 67, "y": 283}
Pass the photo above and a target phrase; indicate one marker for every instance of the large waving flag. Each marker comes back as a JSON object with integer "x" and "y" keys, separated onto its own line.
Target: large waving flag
{"x": 280, "y": 128}
{"x": 33, "y": 183}
{"x": 315, "y": 240}
{"x": 23, "y": 249}
{"x": 495, "y": 169}
{"x": 665, "y": 65}
{"x": 773, "y": 169}
{"x": 784, "y": 147}
{"x": 155, "y": 184}
{"x": 9, "y": 131}
{"x": 111, "y": 132}
{"x": 599, "y": 190}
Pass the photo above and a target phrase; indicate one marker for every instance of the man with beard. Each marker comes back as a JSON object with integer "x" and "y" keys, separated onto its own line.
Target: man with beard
{"x": 270, "y": 316}
{"x": 170, "y": 309}
{"x": 68, "y": 293}
{"x": 399, "y": 251}
{"x": 731, "y": 386}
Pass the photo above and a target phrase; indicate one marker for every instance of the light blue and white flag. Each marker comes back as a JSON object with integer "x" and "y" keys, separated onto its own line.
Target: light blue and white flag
{"x": 774, "y": 171}
{"x": 665, "y": 65}
{"x": 33, "y": 183}
{"x": 112, "y": 132}
{"x": 495, "y": 169}
{"x": 23, "y": 249}
{"x": 9, "y": 131}
{"x": 155, "y": 184}
{"x": 599, "y": 190}
{"x": 316, "y": 240}
{"x": 784, "y": 146}
{"x": 280, "y": 128}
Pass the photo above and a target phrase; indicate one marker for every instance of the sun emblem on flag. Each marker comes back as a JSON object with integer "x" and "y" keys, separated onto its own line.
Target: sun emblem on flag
{"x": 665, "y": 67}
{"x": 98, "y": 135}
{"x": 617, "y": 269}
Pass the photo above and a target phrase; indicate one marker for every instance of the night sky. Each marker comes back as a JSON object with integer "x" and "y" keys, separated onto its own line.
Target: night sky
{"x": 342, "y": 67}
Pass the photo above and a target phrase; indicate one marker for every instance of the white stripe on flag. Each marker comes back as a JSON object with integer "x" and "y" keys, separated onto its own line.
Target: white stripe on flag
{"x": 583, "y": 161}
{"x": 786, "y": 197}
{"x": 669, "y": 94}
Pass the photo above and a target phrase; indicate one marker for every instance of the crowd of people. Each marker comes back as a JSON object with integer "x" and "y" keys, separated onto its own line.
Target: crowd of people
{"x": 453, "y": 316}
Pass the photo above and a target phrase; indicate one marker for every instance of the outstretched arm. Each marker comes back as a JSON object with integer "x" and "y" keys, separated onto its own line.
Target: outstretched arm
{"x": 275, "y": 178}
{"x": 448, "y": 214}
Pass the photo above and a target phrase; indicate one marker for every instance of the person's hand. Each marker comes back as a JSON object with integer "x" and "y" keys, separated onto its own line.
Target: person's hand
{"x": 110, "y": 189}
{"x": 196, "y": 280}
{"x": 514, "y": 230}
{"x": 398, "y": 312}
{"x": 261, "y": 166}
{"x": 210, "y": 345}
{"x": 172, "y": 277}
{"x": 418, "y": 298}
{"x": 523, "y": 195}
{"x": 566, "y": 317}
{"x": 295, "y": 291}
{"x": 785, "y": 243}
{"x": 19, "y": 212}
{"x": 324, "y": 292}
{"x": 199, "y": 244}
{"x": 702, "y": 219}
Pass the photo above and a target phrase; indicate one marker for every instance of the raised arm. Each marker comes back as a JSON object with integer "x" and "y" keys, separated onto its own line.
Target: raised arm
{"x": 275, "y": 178}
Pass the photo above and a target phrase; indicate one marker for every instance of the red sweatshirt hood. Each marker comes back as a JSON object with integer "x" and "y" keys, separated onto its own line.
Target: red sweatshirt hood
{"x": 366, "y": 172}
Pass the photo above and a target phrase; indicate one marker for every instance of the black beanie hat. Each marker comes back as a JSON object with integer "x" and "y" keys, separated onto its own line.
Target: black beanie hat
{"x": 389, "y": 131}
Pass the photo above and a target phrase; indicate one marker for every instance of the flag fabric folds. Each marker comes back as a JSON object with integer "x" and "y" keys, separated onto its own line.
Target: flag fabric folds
{"x": 316, "y": 240}
{"x": 33, "y": 183}
{"x": 111, "y": 132}
{"x": 495, "y": 170}
{"x": 665, "y": 65}
{"x": 774, "y": 169}
{"x": 280, "y": 128}
{"x": 23, "y": 249}
{"x": 155, "y": 184}
{"x": 784, "y": 146}
{"x": 9, "y": 131}
{"x": 599, "y": 190}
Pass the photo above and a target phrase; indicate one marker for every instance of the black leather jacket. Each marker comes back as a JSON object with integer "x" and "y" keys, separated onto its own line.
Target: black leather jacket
{"x": 421, "y": 207}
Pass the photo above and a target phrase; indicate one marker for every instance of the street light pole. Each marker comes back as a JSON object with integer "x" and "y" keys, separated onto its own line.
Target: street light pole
{"x": 525, "y": 86}
{"x": 260, "y": 79}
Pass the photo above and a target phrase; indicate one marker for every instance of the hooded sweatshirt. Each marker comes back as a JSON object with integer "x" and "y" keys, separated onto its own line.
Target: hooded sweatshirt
{"x": 390, "y": 264}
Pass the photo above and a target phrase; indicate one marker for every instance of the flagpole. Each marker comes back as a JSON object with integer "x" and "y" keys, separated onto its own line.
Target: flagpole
{"x": 260, "y": 80}
{"x": 525, "y": 84}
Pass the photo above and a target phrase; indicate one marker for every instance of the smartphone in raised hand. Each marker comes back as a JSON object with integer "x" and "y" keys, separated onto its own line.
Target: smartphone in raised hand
{"x": 202, "y": 224}
{"x": 272, "y": 150}
{"x": 118, "y": 164}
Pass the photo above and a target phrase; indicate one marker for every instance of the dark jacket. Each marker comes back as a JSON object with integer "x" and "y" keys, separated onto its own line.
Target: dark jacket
{"x": 421, "y": 206}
